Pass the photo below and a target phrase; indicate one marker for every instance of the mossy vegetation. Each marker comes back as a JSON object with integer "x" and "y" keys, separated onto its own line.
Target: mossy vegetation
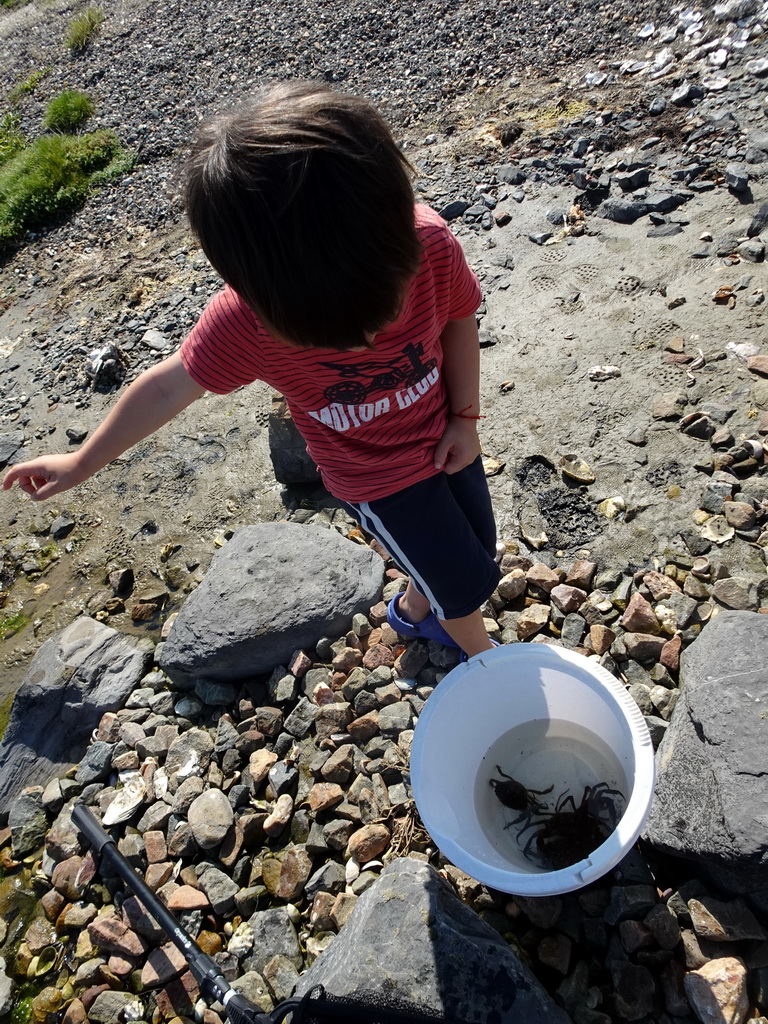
{"x": 83, "y": 28}
{"x": 11, "y": 139}
{"x": 28, "y": 86}
{"x": 68, "y": 111}
{"x": 5, "y": 716}
{"x": 51, "y": 177}
{"x": 12, "y": 624}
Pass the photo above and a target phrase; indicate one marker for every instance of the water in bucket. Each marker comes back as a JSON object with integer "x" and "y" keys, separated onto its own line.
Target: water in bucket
{"x": 541, "y": 754}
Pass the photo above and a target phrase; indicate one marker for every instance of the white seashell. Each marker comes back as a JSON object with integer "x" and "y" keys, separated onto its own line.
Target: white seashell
{"x": 717, "y": 530}
{"x": 188, "y": 707}
{"x": 191, "y": 766}
{"x": 755, "y": 448}
{"x": 372, "y": 865}
{"x": 351, "y": 870}
{"x": 241, "y": 941}
{"x": 160, "y": 782}
{"x": 126, "y": 800}
{"x": 612, "y": 507}
{"x": 133, "y": 1010}
{"x": 405, "y": 685}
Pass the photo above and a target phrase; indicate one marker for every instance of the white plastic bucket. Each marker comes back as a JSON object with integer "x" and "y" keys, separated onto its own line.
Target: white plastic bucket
{"x": 546, "y": 716}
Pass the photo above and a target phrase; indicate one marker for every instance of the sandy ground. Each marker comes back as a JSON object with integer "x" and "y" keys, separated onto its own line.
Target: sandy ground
{"x": 600, "y": 299}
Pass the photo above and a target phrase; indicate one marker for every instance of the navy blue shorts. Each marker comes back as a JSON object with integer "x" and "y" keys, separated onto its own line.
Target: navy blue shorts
{"x": 440, "y": 531}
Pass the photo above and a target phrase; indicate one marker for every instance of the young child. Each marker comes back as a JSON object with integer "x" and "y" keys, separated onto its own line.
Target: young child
{"x": 359, "y": 308}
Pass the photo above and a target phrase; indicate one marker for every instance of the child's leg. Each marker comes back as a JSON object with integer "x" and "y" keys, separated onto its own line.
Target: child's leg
{"x": 441, "y": 532}
{"x": 469, "y": 633}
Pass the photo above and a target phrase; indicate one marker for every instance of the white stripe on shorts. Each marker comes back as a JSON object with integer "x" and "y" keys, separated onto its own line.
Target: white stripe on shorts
{"x": 375, "y": 526}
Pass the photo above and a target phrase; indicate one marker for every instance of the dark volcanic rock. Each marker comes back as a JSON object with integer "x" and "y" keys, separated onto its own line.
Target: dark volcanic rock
{"x": 72, "y": 680}
{"x": 409, "y": 934}
{"x": 713, "y": 760}
{"x": 273, "y": 589}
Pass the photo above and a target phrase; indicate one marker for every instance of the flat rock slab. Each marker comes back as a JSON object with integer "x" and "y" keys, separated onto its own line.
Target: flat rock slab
{"x": 410, "y": 937}
{"x": 710, "y": 803}
{"x": 274, "y": 588}
{"x": 72, "y": 681}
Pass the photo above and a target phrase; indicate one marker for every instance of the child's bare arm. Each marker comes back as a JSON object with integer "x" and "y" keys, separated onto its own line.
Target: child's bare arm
{"x": 459, "y": 446}
{"x": 150, "y": 401}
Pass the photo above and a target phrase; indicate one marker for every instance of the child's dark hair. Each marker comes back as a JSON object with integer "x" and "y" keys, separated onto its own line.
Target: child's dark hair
{"x": 303, "y": 203}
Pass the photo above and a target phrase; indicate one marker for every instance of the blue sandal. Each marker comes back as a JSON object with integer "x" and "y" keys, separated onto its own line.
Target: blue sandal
{"x": 428, "y": 629}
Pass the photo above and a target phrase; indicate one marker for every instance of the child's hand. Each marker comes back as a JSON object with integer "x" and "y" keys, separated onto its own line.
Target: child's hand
{"x": 48, "y": 475}
{"x": 459, "y": 446}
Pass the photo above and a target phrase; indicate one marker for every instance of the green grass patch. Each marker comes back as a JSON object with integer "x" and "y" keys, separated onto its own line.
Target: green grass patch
{"x": 83, "y": 28}
{"x": 11, "y": 624}
{"x": 28, "y": 85}
{"x": 67, "y": 111}
{"x": 5, "y": 715}
{"x": 12, "y": 3}
{"x": 53, "y": 176}
{"x": 11, "y": 139}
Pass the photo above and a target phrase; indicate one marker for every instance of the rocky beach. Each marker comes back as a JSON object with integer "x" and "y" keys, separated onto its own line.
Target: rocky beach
{"x": 606, "y": 169}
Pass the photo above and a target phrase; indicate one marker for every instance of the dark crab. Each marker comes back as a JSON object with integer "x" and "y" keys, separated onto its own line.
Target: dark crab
{"x": 514, "y": 795}
{"x": 572, "y": 831}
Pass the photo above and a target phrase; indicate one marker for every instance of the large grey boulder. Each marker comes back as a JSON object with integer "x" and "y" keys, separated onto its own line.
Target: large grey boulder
{"x": 410, "y": 937}
{"x": 710, "y": 804}
{"x": 274, "y": 588}
{"x": 72, "y": 680}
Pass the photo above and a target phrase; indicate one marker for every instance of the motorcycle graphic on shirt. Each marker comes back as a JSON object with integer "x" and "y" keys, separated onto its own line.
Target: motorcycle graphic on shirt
{"x": 383, "y": 376}
{"x": 347, "y": 406}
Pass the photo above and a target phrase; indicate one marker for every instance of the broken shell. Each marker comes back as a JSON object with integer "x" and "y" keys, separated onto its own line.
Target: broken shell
{"x": 577, "y": 469}
{"x": 351, "y": 870}
{"x": 612, "y": 507}
{"x": 491, "y": 467}
{"x": 48, "y": 960}
{"x": 700, "y": 566}
{"x": 506, "y": 386}
{"x": 160, "y": 782}
{"x": 752, "y": 447}
{"x": 191, "y": 766}
{"x": 717, "y": 530}
{"x": 133, "y": 1010}
{"x": 126, "y": 800}
{"x": 603, "y": 372}
{"x": 241, "y": 941}
{"x": 536, "y": 541}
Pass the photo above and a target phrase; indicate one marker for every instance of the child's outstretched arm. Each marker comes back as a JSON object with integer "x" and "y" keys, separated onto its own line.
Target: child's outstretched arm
{"x": 150, "y": 401}
{"x": 459, "y": 446}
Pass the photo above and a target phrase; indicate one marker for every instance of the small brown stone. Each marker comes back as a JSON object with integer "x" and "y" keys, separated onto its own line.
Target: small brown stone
{"x": 531, "y": 620}
{"x": 179, "y": 997}
{"x": 639, "y": 616}
{"x": 188, "y": 898}
{"x": 670, "y": 654}
{"x": 660, "y": 585}
{"x": 758, "y": 364}
{"x": 52, "y": 903}
{"x": 364, "y": 728}
{"x": 155, "y": 846}
{"x": 601, "y": 637}
{"x": 368, "y": 842}
{"x": 163, "y": 965}
{"x": 324, "y": 795}
{"x": 158, "y": 874}
{"x": 542, "y": 576}
{"x": 378, "y": 655}
{"x": 347, "y": 659}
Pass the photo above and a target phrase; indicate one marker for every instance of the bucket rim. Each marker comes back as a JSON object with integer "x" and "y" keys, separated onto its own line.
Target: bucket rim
{"x": 622, "y": 838}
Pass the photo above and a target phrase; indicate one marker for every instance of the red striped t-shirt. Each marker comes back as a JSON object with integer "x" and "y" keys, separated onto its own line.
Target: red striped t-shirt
{"x": 371, "y": 419}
